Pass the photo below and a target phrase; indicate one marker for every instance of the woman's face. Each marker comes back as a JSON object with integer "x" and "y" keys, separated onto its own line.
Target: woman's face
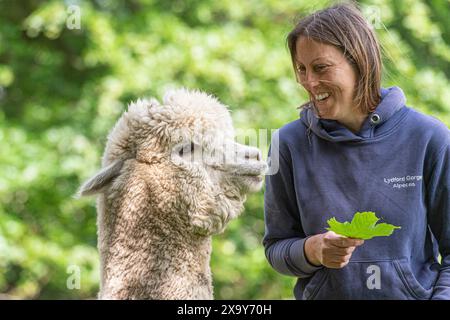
{"x": 328, "y": 77}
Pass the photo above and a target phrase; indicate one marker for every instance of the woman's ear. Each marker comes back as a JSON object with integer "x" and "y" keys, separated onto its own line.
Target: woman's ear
{"x": 100, "y": 180}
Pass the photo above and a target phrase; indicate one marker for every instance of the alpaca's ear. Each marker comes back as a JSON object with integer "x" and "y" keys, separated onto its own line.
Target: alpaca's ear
{"x": 101, "y": 179}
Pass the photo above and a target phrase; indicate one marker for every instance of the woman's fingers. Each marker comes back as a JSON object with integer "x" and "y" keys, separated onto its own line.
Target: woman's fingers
{"x": 333, "y": 239}
{"x": 346, "y": 242}
{"x": 339, "y": 258}
{"x": 337, "y": 250}
{"x": 337, "y": 263}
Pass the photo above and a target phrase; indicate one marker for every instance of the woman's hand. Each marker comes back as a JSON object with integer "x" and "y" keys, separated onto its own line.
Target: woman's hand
{"x": 330, "y": 250}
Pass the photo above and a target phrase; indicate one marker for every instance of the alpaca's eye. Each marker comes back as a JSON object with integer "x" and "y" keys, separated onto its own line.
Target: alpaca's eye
{"x": 187, "y": 149}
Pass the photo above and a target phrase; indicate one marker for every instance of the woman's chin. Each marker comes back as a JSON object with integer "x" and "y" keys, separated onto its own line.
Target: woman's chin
{"x": 324, "y": 109}
{"x": 327, "y": 112}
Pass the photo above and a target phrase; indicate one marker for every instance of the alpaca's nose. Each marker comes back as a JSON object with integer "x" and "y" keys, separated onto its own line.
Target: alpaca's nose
{"x": 252, "y": 154}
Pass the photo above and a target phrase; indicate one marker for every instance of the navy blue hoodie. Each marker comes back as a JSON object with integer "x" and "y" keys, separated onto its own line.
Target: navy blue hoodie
{"x": 398, "y": 166}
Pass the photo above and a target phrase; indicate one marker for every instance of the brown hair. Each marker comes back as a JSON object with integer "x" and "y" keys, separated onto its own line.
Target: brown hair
{"x": 343, "y": 26}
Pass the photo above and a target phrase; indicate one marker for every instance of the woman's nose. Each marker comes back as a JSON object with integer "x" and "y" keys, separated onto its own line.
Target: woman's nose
{"x": 309, "y": 81}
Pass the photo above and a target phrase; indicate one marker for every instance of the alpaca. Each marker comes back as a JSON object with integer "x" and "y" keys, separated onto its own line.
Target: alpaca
{"x": 172, "y": 177}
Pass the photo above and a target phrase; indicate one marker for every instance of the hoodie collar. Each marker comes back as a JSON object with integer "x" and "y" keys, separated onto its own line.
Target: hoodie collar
{"x": 392, "y": 100}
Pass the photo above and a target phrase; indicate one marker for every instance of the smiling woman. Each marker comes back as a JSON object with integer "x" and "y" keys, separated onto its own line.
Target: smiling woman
{"x": 328, "y": 63}
{"x": 342, "y": 32}
{"x": 333, "y": 162}
{"x": 330, "y": 81}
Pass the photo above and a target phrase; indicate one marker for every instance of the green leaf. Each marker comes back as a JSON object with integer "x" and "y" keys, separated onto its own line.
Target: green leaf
{"x": 363, "y": 226}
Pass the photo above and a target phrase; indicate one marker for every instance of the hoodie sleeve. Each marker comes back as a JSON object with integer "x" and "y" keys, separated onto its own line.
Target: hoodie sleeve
{"x": 438, "y": 204}
{"x": 284, "y": 238}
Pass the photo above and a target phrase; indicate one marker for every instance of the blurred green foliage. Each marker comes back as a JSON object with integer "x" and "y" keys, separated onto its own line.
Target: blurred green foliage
{"x": 62, "y": 89}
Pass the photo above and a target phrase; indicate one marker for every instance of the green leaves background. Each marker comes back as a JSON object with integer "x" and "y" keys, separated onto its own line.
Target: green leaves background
{"x": 62, "y": 90}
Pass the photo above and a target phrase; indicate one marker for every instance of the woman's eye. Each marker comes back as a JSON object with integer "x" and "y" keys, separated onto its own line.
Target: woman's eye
{"x": 321, "y": 67}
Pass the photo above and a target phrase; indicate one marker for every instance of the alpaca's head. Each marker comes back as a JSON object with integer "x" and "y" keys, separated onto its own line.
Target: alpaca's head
{"x": 187, "y": 149}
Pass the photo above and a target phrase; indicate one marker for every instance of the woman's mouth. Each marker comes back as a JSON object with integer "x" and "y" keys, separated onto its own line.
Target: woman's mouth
{"x": 321, "y": 97}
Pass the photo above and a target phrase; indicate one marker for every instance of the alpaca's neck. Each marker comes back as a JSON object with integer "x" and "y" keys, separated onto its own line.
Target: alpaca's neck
{"x": 157, "y": 267}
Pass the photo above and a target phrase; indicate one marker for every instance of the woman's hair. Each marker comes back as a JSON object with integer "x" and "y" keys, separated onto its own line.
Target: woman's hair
{"x": 343, "y": 26}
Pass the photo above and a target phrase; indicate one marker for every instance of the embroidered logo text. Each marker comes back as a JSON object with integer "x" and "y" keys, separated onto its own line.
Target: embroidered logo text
{"x": 403, "y": 182}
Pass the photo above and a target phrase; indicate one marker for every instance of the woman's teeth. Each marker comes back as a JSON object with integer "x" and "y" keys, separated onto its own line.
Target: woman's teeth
{"x": 322, "y": 96}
